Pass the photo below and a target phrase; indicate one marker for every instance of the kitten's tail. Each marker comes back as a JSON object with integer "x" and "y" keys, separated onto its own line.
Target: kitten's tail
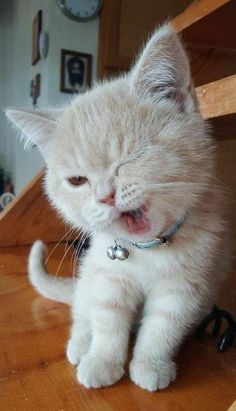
{"x": 55, "y": 288}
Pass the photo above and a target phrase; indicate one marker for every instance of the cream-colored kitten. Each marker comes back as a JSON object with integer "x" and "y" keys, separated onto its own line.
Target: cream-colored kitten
{"x": 135, "y": 143}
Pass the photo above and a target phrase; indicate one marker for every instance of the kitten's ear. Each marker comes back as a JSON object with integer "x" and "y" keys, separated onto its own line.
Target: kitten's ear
{"x": 37, "y": 126}
{"x": 162, "y": 70}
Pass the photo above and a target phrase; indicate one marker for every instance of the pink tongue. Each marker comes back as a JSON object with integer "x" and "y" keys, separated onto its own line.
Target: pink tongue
{"x": 136, "y": 224}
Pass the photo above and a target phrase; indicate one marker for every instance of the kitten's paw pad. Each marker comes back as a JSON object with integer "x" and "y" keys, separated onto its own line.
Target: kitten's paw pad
{"x": 76, "y": 350}
{"x": 152, "y": 377}
{"x": 96, "y": 372}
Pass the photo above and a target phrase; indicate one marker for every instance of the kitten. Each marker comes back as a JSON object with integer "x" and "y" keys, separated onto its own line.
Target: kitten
{"x": 128, "y": 161}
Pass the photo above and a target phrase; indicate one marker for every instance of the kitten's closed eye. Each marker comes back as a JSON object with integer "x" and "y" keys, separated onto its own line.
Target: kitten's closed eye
{"x": 77, "y": 180}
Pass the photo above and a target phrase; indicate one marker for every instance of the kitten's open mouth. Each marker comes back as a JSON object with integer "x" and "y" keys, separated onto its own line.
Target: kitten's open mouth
{"x": 135, "y": 220}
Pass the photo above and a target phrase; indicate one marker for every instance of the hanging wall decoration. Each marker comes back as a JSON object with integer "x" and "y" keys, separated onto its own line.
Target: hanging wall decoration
{"x": 35, "y": 89}
{"x": 75, "y": 71}
{"x": 37, "y": 25}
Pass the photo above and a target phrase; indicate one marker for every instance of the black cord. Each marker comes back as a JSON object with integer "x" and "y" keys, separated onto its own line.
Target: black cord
{"x": 217, "y": 315}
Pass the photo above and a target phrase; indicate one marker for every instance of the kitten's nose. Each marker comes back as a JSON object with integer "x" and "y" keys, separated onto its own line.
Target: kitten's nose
{"x": 109, "y": 200}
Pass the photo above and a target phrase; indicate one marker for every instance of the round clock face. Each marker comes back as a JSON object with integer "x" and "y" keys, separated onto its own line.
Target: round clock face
{"x": 80, "y": 10}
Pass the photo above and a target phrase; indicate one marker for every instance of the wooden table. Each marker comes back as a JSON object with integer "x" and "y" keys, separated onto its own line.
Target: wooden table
{"x": 35, "y": 374}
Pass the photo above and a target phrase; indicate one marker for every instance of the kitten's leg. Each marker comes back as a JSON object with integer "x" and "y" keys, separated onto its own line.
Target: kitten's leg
{"x": 80, "y": 338}
{"x": 167, "y": 318}
{"x": 111, "y": 315}
{"x": 79, "y": 342}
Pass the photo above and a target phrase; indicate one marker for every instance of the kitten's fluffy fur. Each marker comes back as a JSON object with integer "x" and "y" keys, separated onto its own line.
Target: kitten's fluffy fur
{"x": 142, "y": 137}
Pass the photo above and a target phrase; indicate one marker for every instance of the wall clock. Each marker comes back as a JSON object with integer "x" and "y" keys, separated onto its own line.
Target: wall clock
{"x": 80, "y": 10}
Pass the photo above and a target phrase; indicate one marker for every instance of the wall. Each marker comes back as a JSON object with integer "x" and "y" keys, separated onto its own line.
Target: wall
{"x": 16, "y": 72}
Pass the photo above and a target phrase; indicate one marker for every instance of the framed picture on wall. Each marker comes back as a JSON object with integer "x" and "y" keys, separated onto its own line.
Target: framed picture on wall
{"x": 75, "y": 71}
{"x": 37, "y": 23}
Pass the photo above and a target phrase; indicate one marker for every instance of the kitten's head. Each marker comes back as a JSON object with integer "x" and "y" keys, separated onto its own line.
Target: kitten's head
{"x": 131, "y": 155}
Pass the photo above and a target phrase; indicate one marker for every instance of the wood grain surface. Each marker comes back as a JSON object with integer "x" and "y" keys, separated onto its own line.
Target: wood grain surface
{"x": 35, "y": 374}
{"x": 197, "y": 10}
{"x": 210, "y": 64}
{"x": 30, "y": 217}
{"x": 216, "y": 30}
{"x": 218, "y": 98}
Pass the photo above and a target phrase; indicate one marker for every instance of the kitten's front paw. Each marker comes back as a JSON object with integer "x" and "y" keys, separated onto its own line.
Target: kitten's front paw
{"x": 152, "y": 377}
{"x": 96, "y": 372}
{"x": 76, "y": 350}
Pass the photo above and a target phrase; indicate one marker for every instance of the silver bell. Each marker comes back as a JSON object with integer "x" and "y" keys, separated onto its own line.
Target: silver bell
{"x": 121, "y": 253}
{"x": 111, "y": 252}
{"x": 118, "y": 252}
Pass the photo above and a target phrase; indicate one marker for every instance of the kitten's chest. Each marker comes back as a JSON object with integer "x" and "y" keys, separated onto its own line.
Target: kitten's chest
{"x": 143, "y": 266}
{"x": 148, "y": 267}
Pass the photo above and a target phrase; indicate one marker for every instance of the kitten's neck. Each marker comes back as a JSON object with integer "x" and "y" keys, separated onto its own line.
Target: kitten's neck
{"x": 119, "y": 252}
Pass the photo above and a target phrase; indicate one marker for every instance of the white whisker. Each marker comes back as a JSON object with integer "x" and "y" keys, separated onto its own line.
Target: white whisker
{"x": 84, "y": 236}
{"x": 65, "y": 254}
{"x": 58, "y": 243}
